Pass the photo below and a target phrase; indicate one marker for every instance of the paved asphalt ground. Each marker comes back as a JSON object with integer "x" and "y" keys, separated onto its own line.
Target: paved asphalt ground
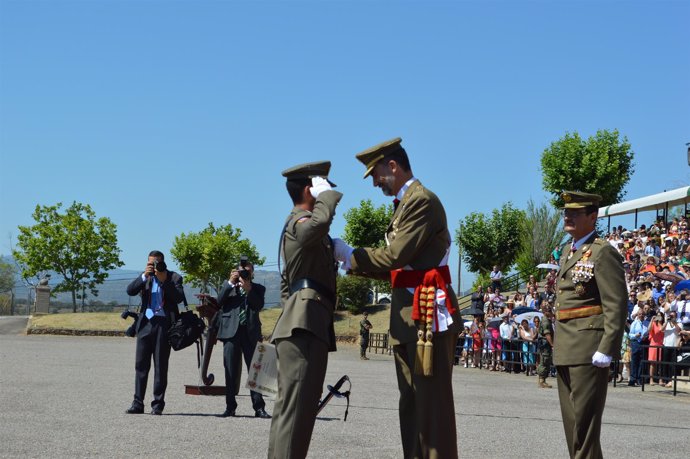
{"x": 66, "y": 396}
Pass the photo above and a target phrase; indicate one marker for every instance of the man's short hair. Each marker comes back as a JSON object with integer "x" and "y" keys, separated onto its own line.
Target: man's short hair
{"x": 295, "y": 187}
{"x": 400, "y": 157}
{"x": 157, "y": 254}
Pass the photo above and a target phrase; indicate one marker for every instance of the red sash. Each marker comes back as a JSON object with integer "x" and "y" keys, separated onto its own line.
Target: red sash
{"x": 439, "y": 278}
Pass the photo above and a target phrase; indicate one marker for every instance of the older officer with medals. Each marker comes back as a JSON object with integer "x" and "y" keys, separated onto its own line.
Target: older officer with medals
{"x": 590, "y": 317}
{"x": 304, "y": 332}
{"x": 423, "y": 308}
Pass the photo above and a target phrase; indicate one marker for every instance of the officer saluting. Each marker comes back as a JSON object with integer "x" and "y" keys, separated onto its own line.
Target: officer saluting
{"x": 590, "y": 317}
{"x": 304, "y": 332}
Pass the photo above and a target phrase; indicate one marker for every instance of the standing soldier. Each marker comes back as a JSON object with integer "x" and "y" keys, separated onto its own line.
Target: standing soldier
{"x": 591, "y": 305}
{"x": 545, "y": 347}
{"x": 424, "y": 319}
{"x": 304, "y": 332}
{"x": 364, "y": 327}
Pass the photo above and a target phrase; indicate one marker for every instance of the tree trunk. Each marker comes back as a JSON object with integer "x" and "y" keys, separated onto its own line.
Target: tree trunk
{"x": 74, "y": 301}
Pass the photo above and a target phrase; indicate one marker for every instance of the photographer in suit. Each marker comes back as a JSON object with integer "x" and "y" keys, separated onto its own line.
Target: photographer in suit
{"x": 161, "y": 291}
{"x": 239, "y": 328}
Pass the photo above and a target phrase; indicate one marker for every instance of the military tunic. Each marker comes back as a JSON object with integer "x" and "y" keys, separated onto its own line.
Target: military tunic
{"x": 417, "y": 237}
{"x": 304, "y": 332}
{"x": 581, "y": 385}
{"x": 364, "y": 327}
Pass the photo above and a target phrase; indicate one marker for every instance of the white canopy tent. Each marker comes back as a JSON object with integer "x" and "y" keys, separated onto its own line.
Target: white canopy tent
{"x": 659, "y": 201}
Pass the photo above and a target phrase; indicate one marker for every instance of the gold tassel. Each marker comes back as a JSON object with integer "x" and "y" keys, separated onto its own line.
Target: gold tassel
{"x": 428, "y": 346}
{"x": 419, "y": 356}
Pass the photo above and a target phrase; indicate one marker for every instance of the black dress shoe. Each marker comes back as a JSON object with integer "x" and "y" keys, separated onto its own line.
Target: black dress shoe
{"x": 228, "y": 414}
{"x": 157, "y": 411}
{"x": 134, "y": 409}
{"x": 261, "y": 413}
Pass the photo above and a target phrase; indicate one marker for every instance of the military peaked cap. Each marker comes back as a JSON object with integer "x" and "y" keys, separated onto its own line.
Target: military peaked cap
{"x": 371, "y": 157}
{"x": 309, "y": 171}
{"x": 579, "y": 200}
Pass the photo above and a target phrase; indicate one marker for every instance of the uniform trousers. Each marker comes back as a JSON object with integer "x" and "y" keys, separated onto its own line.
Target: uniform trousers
{"x": 426, "y": 408}
{"x": 302, "y": 360}
{"x": 240, "y": 345}
{"x": 152, "y": 344}
{"x": 582, "y": 393}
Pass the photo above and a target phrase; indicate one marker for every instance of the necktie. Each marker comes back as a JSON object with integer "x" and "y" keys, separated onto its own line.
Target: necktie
{"x": 572, "y": 250}
{"x": 243, "y": 307}
{"x": 243, "y": 316}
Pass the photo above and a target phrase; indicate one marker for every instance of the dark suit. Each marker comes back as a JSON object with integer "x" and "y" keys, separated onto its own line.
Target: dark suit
{"x": 152, "y": 337}
{"x": 239, "y": 339}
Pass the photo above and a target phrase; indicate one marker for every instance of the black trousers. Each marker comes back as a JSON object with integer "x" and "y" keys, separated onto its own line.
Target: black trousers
{"x": 152, "y": 343}
{"x": 233, "y": 349}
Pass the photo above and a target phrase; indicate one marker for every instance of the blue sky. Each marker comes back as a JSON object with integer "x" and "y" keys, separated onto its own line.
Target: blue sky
{"x": 166, "y": 115}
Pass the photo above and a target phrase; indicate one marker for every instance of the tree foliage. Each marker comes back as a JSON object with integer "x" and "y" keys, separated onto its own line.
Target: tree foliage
{"x": 485, "y": 241}
{"x": 602, "y": 164}
{"x": 75, "y": 244}
{"x": 207, "y": 257}
{"x": 542, "y": 231}
{"x": 353, "y": 292}
{"x": 7, "y": 273}
{"x": 365, "y": 226}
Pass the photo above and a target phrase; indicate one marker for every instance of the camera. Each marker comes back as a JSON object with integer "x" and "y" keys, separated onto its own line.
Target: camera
{"x": 131, "y": 331}
{"x": 159, "y": 266}
{"x": 243, "y": 271}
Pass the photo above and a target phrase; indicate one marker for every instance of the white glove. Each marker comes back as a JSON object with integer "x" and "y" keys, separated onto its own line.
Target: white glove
{"x": 318, "y": 186}
{"x": 601, "y": 360}
{"x": 342, "y": 253}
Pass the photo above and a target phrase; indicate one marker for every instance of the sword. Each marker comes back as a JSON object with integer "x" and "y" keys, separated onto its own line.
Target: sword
{"x": 335, "y": 391}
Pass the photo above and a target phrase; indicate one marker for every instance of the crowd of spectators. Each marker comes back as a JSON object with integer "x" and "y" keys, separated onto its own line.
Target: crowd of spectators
{"x": 656, "y": 260}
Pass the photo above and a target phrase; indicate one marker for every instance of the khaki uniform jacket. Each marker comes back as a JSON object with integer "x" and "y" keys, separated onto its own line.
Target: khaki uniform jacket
{"x": 576, "y": 340}
{"x": 309, "y": 254}
{"x": 417, "y": 237}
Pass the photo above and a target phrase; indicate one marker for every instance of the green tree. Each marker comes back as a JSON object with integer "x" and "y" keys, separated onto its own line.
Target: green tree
{"x": 353, "y": 292}
{"x": 208, "y": 257}
{"x": 75, "y": 244}
{"x": 7, "y": 273}
{"x": 602, "y": 164}
{"x": 365, "y": 226}
{"x": 485, "y": 241}
{"x": 542, "y": 231}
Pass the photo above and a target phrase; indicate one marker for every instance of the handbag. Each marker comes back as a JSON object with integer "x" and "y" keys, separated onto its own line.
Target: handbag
{"x": 186, "y": 330}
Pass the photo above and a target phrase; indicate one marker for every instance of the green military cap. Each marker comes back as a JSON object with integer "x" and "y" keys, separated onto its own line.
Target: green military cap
{"x": 579, "y": 200}
{"x": 371, "y": 157}
{"x": 309, "y": 171}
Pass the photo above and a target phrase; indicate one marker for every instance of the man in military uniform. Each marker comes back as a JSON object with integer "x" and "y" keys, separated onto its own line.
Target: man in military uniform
{"x": 591, "y": 305}
{"x": 304, "y": 332}
{"x": 364, "y": 327}
{"x": 416, "y": 255}
{"x": 545, "y": 347}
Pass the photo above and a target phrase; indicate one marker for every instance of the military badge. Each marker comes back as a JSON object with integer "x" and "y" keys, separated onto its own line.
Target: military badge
{"x": 583, "y": 272}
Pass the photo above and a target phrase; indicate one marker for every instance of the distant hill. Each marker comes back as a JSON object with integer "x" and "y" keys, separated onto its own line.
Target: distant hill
{"x": 114, "y": 288}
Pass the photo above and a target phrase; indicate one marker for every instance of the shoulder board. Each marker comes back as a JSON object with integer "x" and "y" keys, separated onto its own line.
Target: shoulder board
{"x": 302, "y": 220}
{"x": 599, "y": 241}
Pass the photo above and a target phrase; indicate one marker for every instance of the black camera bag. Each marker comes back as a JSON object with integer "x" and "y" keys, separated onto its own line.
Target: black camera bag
{"x": 186, "y": 330}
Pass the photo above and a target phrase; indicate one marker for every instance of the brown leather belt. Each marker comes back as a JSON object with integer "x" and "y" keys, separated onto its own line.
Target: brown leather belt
{"x": 579, "y": 313}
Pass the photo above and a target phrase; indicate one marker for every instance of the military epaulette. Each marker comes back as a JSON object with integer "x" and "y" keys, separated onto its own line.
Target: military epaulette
{"x": 599, "y": 241}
